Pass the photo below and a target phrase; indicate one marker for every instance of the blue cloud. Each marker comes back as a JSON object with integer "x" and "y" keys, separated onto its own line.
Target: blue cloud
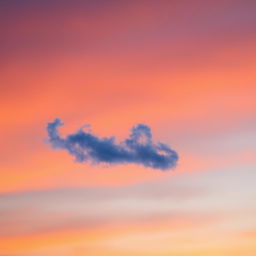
{"x": 137, "y": 148}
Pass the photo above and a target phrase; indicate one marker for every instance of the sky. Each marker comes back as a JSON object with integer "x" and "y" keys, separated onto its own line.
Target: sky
{"x": 181, "y": 71}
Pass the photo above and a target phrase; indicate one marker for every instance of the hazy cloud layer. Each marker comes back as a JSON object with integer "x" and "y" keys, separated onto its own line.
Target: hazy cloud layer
{"x": 137, "y": 148}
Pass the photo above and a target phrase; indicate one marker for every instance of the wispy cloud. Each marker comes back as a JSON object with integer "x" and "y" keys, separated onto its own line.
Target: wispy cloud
{"x": 137, "y": 148}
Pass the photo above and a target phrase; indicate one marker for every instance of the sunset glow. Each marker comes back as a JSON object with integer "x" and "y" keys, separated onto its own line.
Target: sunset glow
{"x": 184, "y": 69}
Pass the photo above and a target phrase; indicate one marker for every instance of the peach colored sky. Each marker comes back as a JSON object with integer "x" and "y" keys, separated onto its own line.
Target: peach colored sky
{"x": 185, "y": 68}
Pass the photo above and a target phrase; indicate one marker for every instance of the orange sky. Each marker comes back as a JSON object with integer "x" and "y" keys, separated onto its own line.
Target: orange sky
{"x": 186, "y": 69}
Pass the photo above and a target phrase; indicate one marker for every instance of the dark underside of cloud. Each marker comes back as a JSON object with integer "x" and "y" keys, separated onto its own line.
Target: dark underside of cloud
{"x": 137, "y": 148}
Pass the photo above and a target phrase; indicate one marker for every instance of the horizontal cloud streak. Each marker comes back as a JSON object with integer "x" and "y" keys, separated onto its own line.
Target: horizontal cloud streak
{"x": 137, "y": 148}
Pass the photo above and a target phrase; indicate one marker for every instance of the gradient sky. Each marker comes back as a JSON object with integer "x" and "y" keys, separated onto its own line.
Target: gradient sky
{"x": 186, "y": 69}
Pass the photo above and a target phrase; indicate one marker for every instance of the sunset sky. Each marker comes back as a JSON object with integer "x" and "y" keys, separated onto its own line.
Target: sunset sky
{"x": 185, "y": 69}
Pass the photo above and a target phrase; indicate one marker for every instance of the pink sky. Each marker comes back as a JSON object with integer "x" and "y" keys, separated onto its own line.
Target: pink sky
{"x": 186, "y": 69}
